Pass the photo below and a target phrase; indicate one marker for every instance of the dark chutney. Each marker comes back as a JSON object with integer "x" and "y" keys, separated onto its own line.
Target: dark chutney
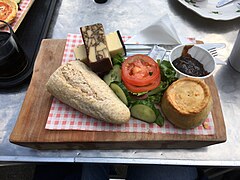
{"x": 189, "y": 65}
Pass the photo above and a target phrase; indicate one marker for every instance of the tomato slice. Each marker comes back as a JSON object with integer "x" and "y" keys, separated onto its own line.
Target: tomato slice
{"x": 138, "y": 89}
{"x": 5, "y": 10}
{"x": 140, "y": 70}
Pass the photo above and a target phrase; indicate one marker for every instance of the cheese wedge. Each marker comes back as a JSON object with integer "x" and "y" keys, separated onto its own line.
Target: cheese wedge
{"x": 98, "y": 55}
{"x": 114, "y": 42}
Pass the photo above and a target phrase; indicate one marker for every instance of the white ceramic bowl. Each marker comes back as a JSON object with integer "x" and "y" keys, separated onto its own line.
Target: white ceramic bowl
{"x": 200, "y": 54}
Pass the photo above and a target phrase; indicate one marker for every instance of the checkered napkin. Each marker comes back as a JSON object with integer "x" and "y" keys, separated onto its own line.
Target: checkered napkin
{"x": 22, "y": 8}
{"x": 63, "y": 117}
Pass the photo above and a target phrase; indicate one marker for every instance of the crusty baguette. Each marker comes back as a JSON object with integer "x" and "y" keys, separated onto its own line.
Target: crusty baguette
{"x": 79, "y": 87}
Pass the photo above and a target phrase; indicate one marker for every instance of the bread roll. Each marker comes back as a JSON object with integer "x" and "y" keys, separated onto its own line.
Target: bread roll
{"x": 79, "y": 87}
{"x": 187, "y": 103}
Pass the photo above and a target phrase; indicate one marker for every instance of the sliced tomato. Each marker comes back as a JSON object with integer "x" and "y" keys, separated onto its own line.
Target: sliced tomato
{"x": 5, "y": 10}
{"x": 140, "y": 70}
{"x": 138, "y": 89}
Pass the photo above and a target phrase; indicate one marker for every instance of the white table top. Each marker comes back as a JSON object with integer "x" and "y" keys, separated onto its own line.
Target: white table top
{"x": 129, "y": 17}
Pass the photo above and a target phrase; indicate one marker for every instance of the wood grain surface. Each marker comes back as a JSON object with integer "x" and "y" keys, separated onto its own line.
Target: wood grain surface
{"x": 30, "y": 126}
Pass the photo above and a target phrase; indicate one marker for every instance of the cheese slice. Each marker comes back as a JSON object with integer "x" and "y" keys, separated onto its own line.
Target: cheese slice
{"x": 98, "y": 55}
{"x": 80, "y": 53}
{"x": 114, "y": 43}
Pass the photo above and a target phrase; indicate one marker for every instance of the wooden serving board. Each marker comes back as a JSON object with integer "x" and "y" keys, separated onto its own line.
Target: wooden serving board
{"x": 19, "y": 21}
{"x": 20, "y": 15}
{"x": 30, "y": 126}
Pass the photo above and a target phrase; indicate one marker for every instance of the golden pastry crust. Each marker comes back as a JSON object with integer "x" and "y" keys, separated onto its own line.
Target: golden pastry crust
{"x": 187, "y": 102}
{"x": 8, "y": 11}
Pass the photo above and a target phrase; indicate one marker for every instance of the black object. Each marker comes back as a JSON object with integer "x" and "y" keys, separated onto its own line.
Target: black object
{"x": 100, "y": 1}
{"x": 12, "y": 57}
{"x": 62, "y": 171}
{"x": 30, "y": 33}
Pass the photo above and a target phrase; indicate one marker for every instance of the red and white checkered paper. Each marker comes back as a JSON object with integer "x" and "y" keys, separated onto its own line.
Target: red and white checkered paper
{"x": 63, "y": 117}
{"x": 23, "y": 7}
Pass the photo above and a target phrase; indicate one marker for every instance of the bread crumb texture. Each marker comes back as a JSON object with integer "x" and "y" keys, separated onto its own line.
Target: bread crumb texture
{"x": 79, "y": 87}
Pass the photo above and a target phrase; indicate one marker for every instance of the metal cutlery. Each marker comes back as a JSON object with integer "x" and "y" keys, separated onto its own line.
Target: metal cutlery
{"x": 210, "y": 46}
{"x": 133, "y": 49}
{"x": 214, "y": 53}
{"x": 222, "y": 3}
{"x": 146, "y": 47}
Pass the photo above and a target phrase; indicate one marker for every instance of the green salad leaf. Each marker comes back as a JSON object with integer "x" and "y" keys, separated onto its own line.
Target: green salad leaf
{"x": 150, "y": 98}
{"x": 168, "y": 74}
{"x": 118, "y": 59}
{"x": 160, "y": 120}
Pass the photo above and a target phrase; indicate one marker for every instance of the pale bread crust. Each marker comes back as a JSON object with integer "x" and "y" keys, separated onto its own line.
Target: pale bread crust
{"x": 79, "y": 87}
{"x": 13, "y": 14}
{"x": 187, "y": 103}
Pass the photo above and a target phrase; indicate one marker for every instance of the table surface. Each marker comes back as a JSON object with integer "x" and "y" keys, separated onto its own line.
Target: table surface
{"x": 129, "y": 17}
